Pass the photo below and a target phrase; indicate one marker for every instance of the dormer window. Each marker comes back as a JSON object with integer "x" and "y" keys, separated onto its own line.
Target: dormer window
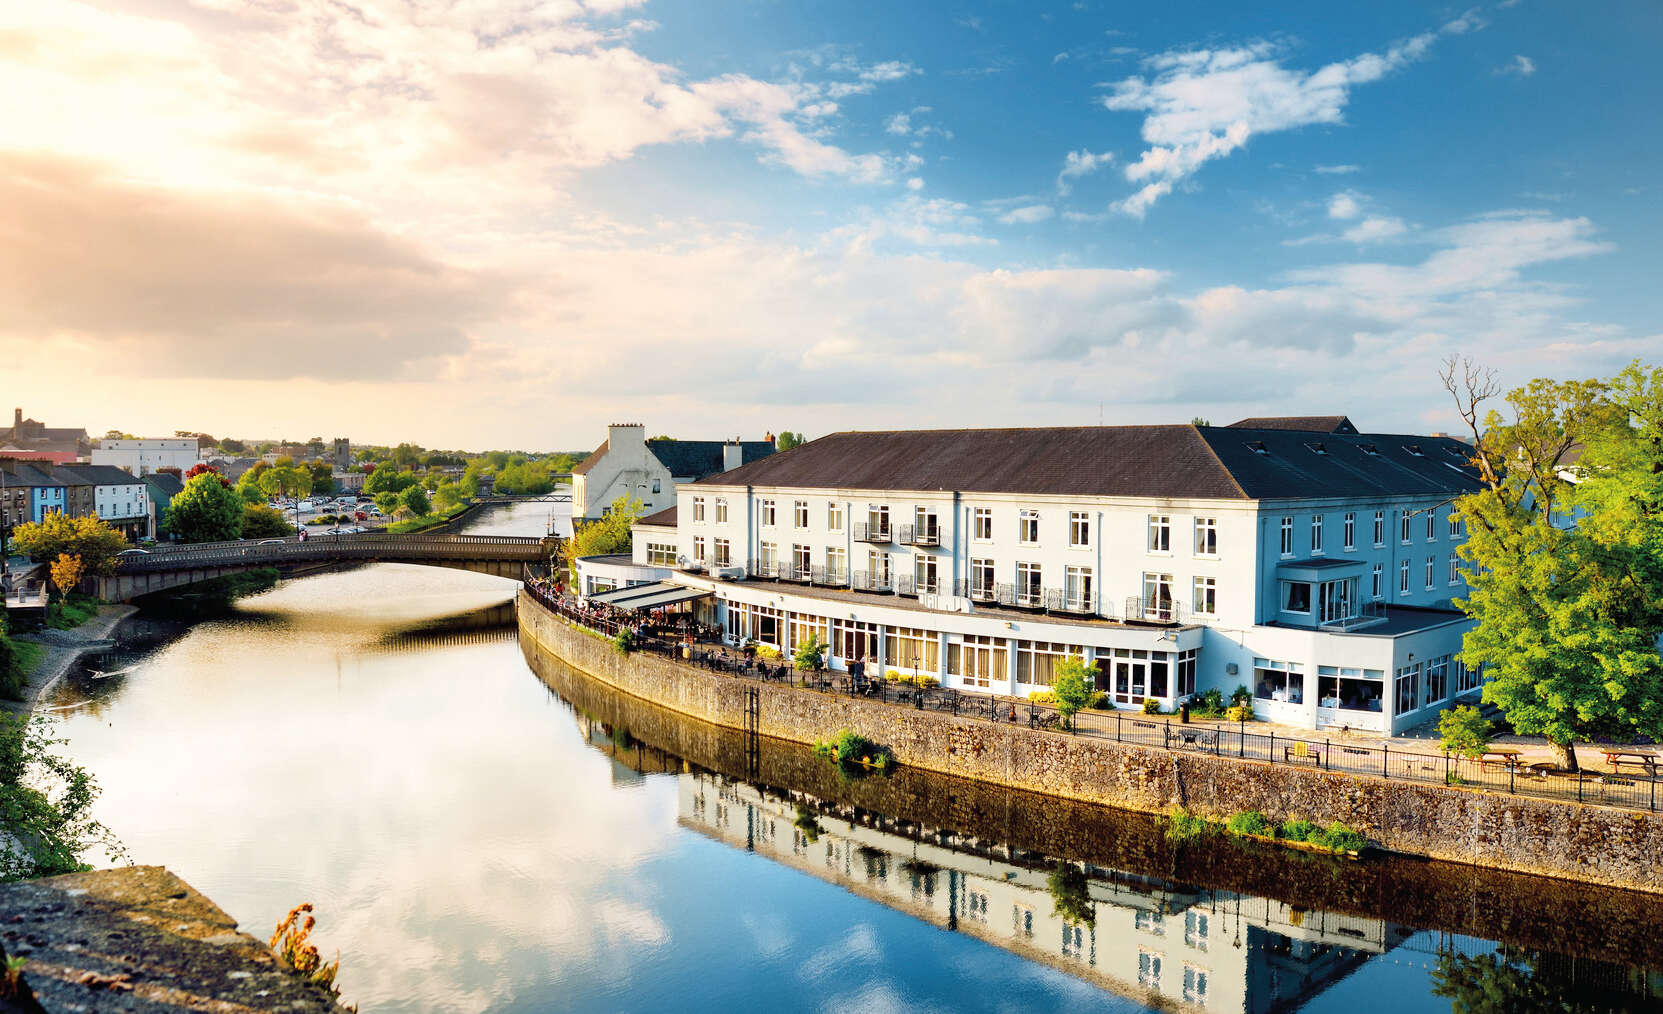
{"x": 1317, "y": 448}
{"x": 1257, "y": 447}
{"x": 1369, "y": 449}
{"x": 1414, "y": 449}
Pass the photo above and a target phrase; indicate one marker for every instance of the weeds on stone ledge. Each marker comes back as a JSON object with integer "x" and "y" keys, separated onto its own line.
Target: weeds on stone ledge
{"x": 290, "y": 942}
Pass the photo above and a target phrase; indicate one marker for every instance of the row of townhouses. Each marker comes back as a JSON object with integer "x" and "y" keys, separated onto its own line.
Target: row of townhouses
{"x": 30, "y": 490}
{"x": 1313, "y": 564}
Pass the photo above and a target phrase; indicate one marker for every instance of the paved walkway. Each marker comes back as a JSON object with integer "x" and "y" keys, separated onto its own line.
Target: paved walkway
{"x": 64, "y": 649}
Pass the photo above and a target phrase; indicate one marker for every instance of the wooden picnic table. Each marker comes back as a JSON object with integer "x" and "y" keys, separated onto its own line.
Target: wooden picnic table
{"x": 1507, "y": 757}
{"x": 1643, "y": 759}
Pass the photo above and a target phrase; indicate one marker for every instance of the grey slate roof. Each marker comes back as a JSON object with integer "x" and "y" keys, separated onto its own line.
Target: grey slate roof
{"x": 1309, "y": 423}
{"x": 685, "y": 458}
{"x": 1194, "y": 462}
{"x": 165, "y": 483}
{"x": 23, "y": 473}
{"x": 102, "y": 475}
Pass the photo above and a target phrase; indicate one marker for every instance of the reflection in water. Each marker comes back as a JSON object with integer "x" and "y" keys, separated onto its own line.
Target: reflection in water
{"x": 373, "y": 742}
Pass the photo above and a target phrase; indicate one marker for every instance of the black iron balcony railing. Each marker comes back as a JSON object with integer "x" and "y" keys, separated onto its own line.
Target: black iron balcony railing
{"x": 865, "y": 531}
{"x": 1160, "y": 609}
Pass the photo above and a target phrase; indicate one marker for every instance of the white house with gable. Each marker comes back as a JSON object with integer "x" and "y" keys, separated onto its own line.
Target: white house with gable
{"x": 628, "y": 464}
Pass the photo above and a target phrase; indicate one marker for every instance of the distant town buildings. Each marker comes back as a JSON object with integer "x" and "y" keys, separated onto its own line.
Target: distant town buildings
{"x": 29, "y": 440}
{"x": 628, "y": 464}
{"x": 162, "y": 487}
{"x": 141, "y": 457}
{"x": 119, "y": 497}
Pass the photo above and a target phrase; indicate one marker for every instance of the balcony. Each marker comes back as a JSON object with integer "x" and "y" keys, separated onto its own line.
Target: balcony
{"x": 1153, "y": 610}
{"x": 866, "y": 581}
{"x": 918, "y": 535}
{"x": 1058, "y": 600}
{"x": 966, "y": 589}
{"x": 867, "y": 532}
{"x": 1368, "y": 614}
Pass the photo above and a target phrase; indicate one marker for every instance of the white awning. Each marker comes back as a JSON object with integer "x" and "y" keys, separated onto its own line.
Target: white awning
{"x": 648, "y": 596}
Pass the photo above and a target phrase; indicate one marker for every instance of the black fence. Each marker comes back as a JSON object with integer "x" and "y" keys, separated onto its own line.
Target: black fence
{"x": 1235, "y": 740}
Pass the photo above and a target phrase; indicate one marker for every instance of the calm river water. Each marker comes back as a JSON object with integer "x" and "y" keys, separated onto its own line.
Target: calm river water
{"x": 373, "y": 741}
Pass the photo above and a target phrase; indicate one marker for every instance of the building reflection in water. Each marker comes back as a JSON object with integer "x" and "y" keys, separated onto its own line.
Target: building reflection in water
{"x": 1157, "y": 943}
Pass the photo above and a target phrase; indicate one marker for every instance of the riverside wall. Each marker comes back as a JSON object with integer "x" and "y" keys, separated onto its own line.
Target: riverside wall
{"x": 1587, "y": 843}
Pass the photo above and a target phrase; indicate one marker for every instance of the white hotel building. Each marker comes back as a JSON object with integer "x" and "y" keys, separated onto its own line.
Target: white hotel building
{"x": 1311, "y": 563}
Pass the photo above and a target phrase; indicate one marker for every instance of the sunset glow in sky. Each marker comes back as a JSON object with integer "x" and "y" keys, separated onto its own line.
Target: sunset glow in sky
{"x": 503, "y": 224}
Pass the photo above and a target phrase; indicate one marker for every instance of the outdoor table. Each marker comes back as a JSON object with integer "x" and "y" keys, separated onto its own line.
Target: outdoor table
{"x": 1643, "y": 759}
{"x": 1506, "y": 757}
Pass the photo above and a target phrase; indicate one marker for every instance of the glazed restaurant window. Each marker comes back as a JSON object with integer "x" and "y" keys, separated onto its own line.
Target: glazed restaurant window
{"x": 804, "y": 627}
{"x": 1350, "y": 689}
{"x": 978, "y": 661}
{"x": 1278, "y": 681}
{"x": 910, "y": 648}
{"x": 661, "y": 555}
{"x": 1036, "y": 661}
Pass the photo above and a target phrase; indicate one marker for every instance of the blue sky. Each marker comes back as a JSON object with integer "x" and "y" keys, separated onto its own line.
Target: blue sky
{"x": 754, "y": 215}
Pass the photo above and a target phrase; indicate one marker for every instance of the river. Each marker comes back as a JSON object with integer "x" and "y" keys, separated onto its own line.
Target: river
{"x": 482, "y": 834}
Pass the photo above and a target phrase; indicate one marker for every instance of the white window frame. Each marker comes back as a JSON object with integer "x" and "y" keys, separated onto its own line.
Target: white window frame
{"x": 721, "y": 553}
{"x": 1287, "y": 536}
{"x": 698, "y": 508}
{"x": 1160, "y": 534}
{"x": 1431, "y": 572}
{"x": 1454, "y": 569}
{"x": 1027, "y": 524}
{"x": 1316, "y": 535}
{"x": 1079, "y": 530}
{"x": 1379, "y": 581}
{"x": 769, "y": 514}
{"x": 1379, "y": 529}
{"x": 698, "y": 549}
{"x": 799, "y": 514}
{"x": 1403, "y": 578}
{"x": 721, "y": 510}
{"x": 981, "y": 522}
{"x": 1404, "y": 536}
{"x": 925, "y": 564}
{"x": 1024, "y": 597}
{"x": 834, "y": 517}
{"x": 1206, "y": 536}
{"x": 1078, "y": 588}
{"x": 1350, "y": 532}
{"x": 837, "y": 563}
{"x": 1206, "y": 597}
{"x": 980, "y": 568}
{"x": 1432, "y": 525}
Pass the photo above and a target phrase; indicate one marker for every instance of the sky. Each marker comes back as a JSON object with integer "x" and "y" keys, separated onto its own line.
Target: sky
{"x": 494, "y": 223}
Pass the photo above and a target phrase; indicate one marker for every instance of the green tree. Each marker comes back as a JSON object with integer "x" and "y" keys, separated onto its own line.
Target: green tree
{"x": 11, "y": 665}
{"x": 1198, "y": 421}
{"x": 1071, "y": 895}
{"x": 206, "y": 510}
{"x": 261, "y": 521}
{"x": 47, "y": 802}
{"x": 1465, "y": 731}
{"x": 230, "y": 446}
{"x": 448, "y": 495}
{"x": 1072, "y": 687}
{"x": 606, "y": 535}
{"x": 386, "y": 502}
{"x": 415, "y": 501}
{"x": 388, "y": 479}
{"x": 89, "y": 538}
{"x": 809, "y": 654}
{"x": 323, "y": 477}
{"x": 787, "y": 440}
{"x": 1566, "y": 582}
{"x": 283, "y": 481}
{"x": 67, "y": 571}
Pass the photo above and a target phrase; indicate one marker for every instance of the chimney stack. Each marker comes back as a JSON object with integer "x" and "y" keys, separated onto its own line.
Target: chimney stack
{"x": 732, "y": 456}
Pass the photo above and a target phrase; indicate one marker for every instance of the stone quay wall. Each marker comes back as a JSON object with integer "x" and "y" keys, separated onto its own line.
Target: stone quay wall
{"x": 1584, "y": 842}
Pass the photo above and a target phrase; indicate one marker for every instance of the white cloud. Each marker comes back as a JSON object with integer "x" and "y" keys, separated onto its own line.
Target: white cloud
{"x": 1336, "y": 170}
{"x": 1375, "y": 228}
{"x": 1080, "y": 163}
{"x": 1521, "y": 65}
{"x": 915, "y": 184}
{"x": 1343, "y": 206}
{"x": 1059, "y": 58}
{"x": 1205, "y": 104}
{"x": 1027, "y": 215}
{"x": 900, "y": 123}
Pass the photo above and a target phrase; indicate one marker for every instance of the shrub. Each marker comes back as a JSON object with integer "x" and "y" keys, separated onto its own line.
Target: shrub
{"x": 924, "y": 681}
{"x": 1341, "y": 838}
{"x": 1212, "y": 702}
{"x": 1042, "y": 697}
{"x": 289, "y": 942}
{"x": 1181, "y": 825}
{"x": 768, "y": 652}
{"x": 1239, "y": 713}
{"x": 1072, "y": 689}
{"x": 1151, "y": 706}
{"x": 894, "y": 676}
{"x": 851, "y": 749}
{"x": 809, "y": 654}
{"x": 1242, "y": 696}
{"x": 1465, "y": 731}
{"x": 624, "y": 641}
{"x": 1299, "y": 830}
{"x": 1250, "y": 822}
{"x": 1099, "y": 700}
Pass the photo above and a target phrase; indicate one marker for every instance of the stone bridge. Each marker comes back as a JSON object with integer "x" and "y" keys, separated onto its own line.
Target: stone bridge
{"x": 176, "y": 566}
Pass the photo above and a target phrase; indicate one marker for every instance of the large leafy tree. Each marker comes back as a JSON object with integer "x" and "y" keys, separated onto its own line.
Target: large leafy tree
{"x": 415, "y": 501}
{"x": 206, "y": 510}
{"x": 608, "y": 534}
{"x": 1566, "y": 546}
{"x": 57, "y": 534}
{"x": 261, "y": 521}
{"x": 388, "y": 479}
{"x": 285, "y": 480}
{"x": 47, "y": 802}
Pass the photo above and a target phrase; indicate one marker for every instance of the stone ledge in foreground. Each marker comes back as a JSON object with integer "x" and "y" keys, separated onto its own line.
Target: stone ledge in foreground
{"x": 139, "y": 939}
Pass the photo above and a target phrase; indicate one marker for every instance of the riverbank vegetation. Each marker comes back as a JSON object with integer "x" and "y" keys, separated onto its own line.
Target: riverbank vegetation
{"x": 291, "y": 942}
{"x": 606, "y": 535}
{"x": 70, "y": 611}
{"x": 1565, "y": 553}
{"x": 1181, "y": 825}
{"x": 852, "y": 752}
{"x": 427, "y": 522}
{"x": 93, "y": 541}
{"x": 15, "y": 663}
{"x": 47, "y": 802}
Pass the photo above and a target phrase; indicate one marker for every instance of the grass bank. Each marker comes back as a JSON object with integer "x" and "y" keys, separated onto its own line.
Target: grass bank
{"x": 427, "y": 522}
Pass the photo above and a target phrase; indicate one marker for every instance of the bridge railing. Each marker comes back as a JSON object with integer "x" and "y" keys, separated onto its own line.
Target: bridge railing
{"x": 368, "y": 546}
